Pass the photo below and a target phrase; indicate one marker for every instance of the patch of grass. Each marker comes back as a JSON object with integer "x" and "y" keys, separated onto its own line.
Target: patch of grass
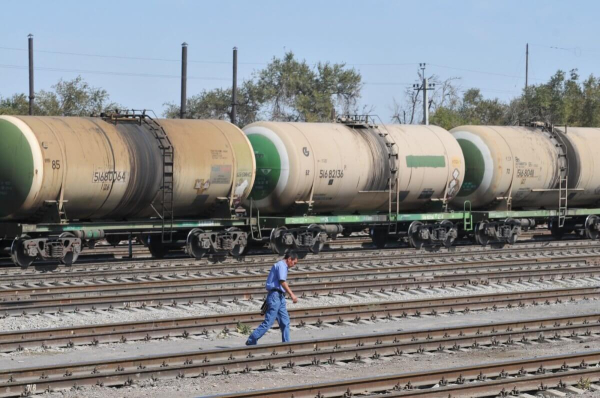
{"x": 242, "y": 328}
{"x": 584, "y": 384}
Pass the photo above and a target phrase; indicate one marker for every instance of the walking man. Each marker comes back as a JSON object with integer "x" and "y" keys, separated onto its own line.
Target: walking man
{"x": 277, "y": 286}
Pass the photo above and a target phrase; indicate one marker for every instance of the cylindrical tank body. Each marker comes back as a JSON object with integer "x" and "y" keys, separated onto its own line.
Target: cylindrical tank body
{"x": 525, "y": 163}
{"x": 106, "y": 171}
{"x": 583, "y": 146}
{"x": 346, "y": 168}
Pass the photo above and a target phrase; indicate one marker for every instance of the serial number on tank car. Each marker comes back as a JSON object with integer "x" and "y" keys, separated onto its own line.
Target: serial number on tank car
{"x": 109, "y": 176}
{"x": 331, "y": 173}
{"x": 525, "y": 173}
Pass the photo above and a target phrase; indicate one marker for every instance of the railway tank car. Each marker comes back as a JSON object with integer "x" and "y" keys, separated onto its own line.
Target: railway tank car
{"x": 353, "y": 168}
{"x": 529, "y": 168}
{"x": 117, "y": 168}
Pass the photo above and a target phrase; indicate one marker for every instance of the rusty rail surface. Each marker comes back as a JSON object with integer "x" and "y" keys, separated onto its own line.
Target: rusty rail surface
{"x": 508, "y": 269}
{"x": 349, "y": 314}
{"x": 327, "y": 351}
{"x": 44, "y": 272}
{"x": 101, "y": 297}
{"x": 510, "y": 378}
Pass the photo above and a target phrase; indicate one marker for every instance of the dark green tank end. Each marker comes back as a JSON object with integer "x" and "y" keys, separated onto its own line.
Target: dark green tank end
{"x": 474, "y": 168}
{"x": 268, "y": 166}
{"x": 16, "y": 168}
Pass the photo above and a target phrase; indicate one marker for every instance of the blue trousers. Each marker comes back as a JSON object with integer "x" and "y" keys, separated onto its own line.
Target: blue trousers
{"x": 276, "y": 310}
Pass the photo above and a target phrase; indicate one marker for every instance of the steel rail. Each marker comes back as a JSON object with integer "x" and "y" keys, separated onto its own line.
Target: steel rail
{"x": 207, "y": 293}
{"x": 318, "y": 352}
{"x": 488, "y": 379}
{"x": 257, "y": 262}
{"x": 190, "y": 326}
{"x": 335, "y": 265}
{"x": 481, "y": 274}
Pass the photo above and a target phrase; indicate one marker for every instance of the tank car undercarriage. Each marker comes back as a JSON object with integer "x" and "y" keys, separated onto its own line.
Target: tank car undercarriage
{"x": 218, "y": 238}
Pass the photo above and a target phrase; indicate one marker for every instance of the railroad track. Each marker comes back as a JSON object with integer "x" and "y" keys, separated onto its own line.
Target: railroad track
{"x": 484, "y": 272}
{"x": 317, "y": 316}
{"x": 511, "y": 378}
{"x": 332, "y": 261}
{"x": 223, "y": 263}
{"x": 210, "y": 291}
{"x": 204, "y": 363}
{"x": 475, "y": 273}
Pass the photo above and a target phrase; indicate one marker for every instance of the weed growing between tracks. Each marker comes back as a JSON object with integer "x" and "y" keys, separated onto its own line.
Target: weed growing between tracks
{"x": 244, "y": 329}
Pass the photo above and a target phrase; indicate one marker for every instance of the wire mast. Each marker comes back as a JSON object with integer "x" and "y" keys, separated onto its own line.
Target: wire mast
{"x": 425, "y": 86}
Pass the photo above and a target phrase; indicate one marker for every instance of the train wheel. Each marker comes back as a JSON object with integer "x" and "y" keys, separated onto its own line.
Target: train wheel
{"x": 18, "y": 255}
{"x": 156, "y": 247}
{"x": 480, "y": 236}
{"x": 241, "y": 247}
{"x": 451, "y": 233}
{"x": 278, "y": 241}
{"x": 318, "y": 242}
{"x": 591, "y": 227}
{"x": 71, "y": 256}
{"x": 194, "y": 244}
{"x": 413, "y": 235}
{"x": 514, "y": 236}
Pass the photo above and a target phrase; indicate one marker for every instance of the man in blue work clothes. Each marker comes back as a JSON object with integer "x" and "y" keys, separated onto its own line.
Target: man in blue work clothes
{"x": 277, "y": 286}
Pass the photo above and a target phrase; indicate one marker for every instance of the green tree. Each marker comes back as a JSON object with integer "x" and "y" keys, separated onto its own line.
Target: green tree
{"x": 472, "y": 108}
{"x": 68, "y": 98}
{"x": 18, "y": 104}
{"x": 562, "y": 100}
{"x": 216, "y": 104}
{"x": 285, "y": 90}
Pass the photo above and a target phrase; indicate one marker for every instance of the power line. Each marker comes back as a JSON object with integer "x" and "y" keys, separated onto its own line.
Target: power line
{"x": 111, "y": 73}
{"x": 481, "y": 72}
{"x": 177, "y": 60}
{"x": 382, "y": 64}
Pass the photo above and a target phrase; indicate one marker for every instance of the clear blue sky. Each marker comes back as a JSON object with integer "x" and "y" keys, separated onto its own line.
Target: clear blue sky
{"x": 455, "y": 38}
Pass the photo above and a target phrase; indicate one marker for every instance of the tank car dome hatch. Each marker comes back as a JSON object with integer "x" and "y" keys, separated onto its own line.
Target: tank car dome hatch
{"x": 347, "y": 168}
{"x": 21, "y": 165}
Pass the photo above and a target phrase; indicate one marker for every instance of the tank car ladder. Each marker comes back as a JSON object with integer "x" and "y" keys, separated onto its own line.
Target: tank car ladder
{"x": 394, "y": 203}
{"x": 563, "y": 187}
{"x": 166, "y": 189}
{"x": 168, "y": 156}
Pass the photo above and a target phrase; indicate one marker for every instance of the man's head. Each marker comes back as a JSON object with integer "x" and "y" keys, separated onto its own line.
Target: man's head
{"x": 291, "y": 258}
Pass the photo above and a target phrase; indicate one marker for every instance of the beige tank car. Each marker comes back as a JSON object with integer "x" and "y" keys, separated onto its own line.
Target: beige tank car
{"x": 101, "y": 170}
{"x": 347, "y": 168}
{"x": 525, "y": 164}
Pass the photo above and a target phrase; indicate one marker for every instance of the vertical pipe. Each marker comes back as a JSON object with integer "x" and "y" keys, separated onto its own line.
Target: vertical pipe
{"x": 425, "y": 103}
{"x": 31, "y": 91}
{"x": 234, "y": 88}
{"x": 526, "y": 64}
{"x": 183, "y": 108}
{"x": 129, "y": 246}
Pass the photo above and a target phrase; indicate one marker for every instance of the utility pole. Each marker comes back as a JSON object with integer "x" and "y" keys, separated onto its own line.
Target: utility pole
{"x": 31, "y": 91}
{"x": 183, "y": 108}
{"x": 526, "y": 64}
{"x": 234, "y": 88}
{"x": 425, "y": 86}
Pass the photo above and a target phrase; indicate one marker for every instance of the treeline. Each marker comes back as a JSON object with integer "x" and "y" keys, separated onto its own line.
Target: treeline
{"x": 68, "y": 98}
{"x": 285, "y": 90}
{"x": 562, "y": 100}
{"x": 288, "y": 89}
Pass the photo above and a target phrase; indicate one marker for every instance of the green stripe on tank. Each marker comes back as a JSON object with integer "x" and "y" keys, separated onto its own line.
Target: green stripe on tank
{"x": 474, "y": 167}
{"x": 268, "y": 166}
{"x": 425, "y": 161}
{"x": 16, "y": 168}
